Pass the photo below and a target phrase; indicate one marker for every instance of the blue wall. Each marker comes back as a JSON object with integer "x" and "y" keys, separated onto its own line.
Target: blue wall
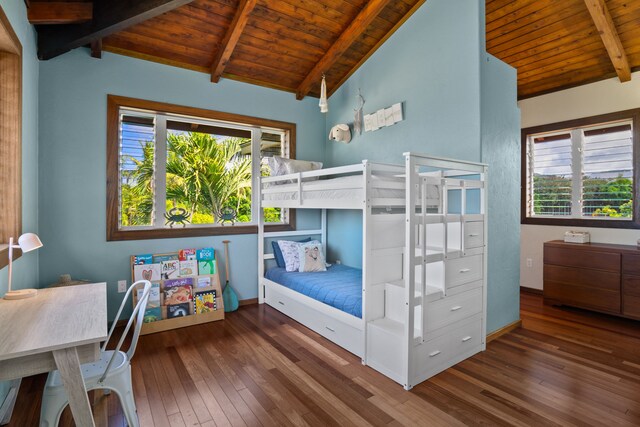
{"x": 73, "y": 102}
{"x": 25, "y": 269}
{"x": 501, "y": 151}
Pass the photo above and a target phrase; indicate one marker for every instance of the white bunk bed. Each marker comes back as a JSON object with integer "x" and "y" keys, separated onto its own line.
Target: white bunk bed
{"x": 420, "y": 314}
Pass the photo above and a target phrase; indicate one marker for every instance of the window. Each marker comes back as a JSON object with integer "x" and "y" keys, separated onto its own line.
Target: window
{"x": 10, "y": 137}
{"x": 179, "y": 171}
{"x": 582, "y": 172}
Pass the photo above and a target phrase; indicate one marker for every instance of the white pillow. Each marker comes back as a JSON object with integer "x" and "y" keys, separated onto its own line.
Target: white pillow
{"x": 290, "y": 253}
{"x": 281, "y": 166}
{"x": 311, "y": 257}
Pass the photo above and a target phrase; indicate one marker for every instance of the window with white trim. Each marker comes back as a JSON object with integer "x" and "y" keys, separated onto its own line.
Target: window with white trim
{"x": 585, "y": 172}
{"x": 178, "y": 172}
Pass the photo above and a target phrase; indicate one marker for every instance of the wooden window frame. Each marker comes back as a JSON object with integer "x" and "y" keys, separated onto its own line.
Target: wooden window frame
{"x": 114, "y": 233}
{"x": 634, "y": 223}
{"x": 10, "y": 138}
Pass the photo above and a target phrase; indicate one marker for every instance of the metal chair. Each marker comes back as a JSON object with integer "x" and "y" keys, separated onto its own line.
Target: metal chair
{"x": 111, "y": 372}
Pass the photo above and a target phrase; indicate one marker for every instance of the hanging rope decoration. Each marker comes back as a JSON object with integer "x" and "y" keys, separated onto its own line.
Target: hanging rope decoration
{"x": 357, "y": 119}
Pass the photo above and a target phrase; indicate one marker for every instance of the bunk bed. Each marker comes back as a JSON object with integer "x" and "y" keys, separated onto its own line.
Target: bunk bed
{"x": 409, "y": 317}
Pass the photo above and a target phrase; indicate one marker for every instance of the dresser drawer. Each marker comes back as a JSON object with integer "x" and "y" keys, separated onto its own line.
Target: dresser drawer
{"x": 473, "y": 234}
{"x": 581, "y": 296}
{"x": 568, "y": 257}
{"x": 463, "y": 270}
{"x": 631, "y": 285}
{"x": 631, "y": 264}
{"x": 579, "y": 276}
{"x": 631, "y": 306}
{"x": 466, "y": 338}
{"x": 453, "y": 308}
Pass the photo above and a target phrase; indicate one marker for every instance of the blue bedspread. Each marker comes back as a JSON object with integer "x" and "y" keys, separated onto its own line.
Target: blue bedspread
{"x": 340, "y": 286}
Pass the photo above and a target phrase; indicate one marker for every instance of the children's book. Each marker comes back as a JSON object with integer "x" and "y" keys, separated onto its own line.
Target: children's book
{"x": 158, "y": 258}
{"x": 151, "y": 272}
{"x": 154, "y": 295}
{"x": 177, "y": 295}
{"x": 170, "y": 269}
{"x": 206, "y": 267}
{"x": 204, "y": 302}
{"x": 204, "y": 282}
{"x": 187, "y": 254}
{"x": 152, "y": 314}
{"x": 189, "y": 268}
{"x": 177, "y": 310}
{"x": 205, "y": 254}
{"x": 143, "y": 259}
{"x": 182, "y": 281}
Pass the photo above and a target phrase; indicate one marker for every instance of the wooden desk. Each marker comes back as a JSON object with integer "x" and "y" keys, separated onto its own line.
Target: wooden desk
{"x": 60, "y": 328}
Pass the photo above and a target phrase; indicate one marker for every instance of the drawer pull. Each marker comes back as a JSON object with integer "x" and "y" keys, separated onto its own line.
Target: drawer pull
{"x": 456, "y": 308}
{"x": 465, "y": 270}
{"x": 474, "y": 235}
{"x": 435, "y": 353}
{"x": 465, "y": 339}
{"x": 331, "y": 329}
{"x": 280, "y": 302}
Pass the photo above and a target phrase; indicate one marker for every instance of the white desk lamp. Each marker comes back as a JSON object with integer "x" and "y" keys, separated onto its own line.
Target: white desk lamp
{"x": 27, "y": 243}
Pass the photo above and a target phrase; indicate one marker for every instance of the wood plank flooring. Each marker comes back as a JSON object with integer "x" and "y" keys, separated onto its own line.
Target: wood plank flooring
{"x": 562, "y": 367}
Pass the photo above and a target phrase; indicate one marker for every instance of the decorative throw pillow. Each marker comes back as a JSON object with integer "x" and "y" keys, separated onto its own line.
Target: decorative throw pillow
{"x": 311, "y": 257}
{"x": 282, "y": 166}
{"x": 277, "y": 253}
{"x": 290, "y": 254}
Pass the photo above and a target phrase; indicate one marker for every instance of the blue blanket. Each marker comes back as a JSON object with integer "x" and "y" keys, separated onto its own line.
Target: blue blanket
{"x": 340, "y": 286}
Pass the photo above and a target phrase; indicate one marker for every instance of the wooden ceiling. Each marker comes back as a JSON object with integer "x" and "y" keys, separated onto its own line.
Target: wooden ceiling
{"x": 290, "y": 44}
{"x": 558, "y": 44}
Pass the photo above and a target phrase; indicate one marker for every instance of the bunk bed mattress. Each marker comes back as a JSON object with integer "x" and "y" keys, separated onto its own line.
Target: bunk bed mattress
{"x": 340, "y": 286}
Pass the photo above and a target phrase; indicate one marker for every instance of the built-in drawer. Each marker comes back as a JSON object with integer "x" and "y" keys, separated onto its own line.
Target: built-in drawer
{"x": 631, "y": 285}
{"x": 631, "y": 306}
{"x": 453, "y": 308}
{"x": 631, "y": 264}
{"x": 463, "y": 270}
{"x": 435, "y": 352}
{"x": 473, "y": 234}
{"x": 466, "y": 338}
{"x": 590, "y": 278}
{"x": 582, "y": 258}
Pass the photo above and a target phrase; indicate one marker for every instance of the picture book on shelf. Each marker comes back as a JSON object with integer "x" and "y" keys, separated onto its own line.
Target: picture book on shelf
{"x": 182, "y": 281}
{"x": 205, "y": 254}
{"x": 143, "y": 259}
{"x": 204, "y": 282}
{"x": 152, "y": 314}
{"x": 177, "y": 294}
{"x": 149, "y": 272}
{"x": 204, "y": 302}
{"x": 158, "y": 258}
{"x": 187, "y": 254}
{"x": 206, "y": 267}
{"x": 177, "y": 310}
{"x": 170, "y": 269}
{"x": 154, "y": 295}
{"x": 189, "y": 268}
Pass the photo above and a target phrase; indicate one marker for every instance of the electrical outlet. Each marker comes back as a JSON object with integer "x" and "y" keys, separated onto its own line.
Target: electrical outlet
{"x": 338, "y": 261}
{"x": 122, "y": 286}
{"x": 529, "y": 262}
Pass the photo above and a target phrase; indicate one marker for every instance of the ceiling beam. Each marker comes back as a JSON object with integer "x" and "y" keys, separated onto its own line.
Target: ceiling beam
{"x": 59, "y": 13}
{"x": 355, "y": 29}
{"x": 110, "y": 16}
{"x": 607, "y": 29}
{"x": 231, "y": 38}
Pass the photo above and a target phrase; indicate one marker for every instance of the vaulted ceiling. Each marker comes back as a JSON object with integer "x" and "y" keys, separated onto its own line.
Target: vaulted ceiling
{"x": 290, "y": 44}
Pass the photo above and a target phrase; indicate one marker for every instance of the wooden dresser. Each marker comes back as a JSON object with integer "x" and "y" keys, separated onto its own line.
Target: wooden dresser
{"x": 596, "y": 276}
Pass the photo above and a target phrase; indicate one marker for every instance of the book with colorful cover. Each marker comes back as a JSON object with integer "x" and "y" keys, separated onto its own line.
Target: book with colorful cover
{"x": 206, "y": 267}
{"x": 177, "y": 310}
{"x": 177, "y": 294}
{"x": 151, "y": 272}
{"x": 153, "y": 311}
{"x": 204, "y": 281}
{"x": 187, "y": 254}
{"x": 170, "y": 269}
{"x": 189, "y": 268}
{"x": 204, "y": 302}
{"x": 158, "y": 258}
{"x": 182, "y": 281}
{"x": 143, "y": 259}
{"x": 205, "y": 254}
{"x": 152, "y": 314}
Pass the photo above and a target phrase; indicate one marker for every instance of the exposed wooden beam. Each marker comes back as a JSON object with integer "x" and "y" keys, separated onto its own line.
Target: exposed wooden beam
{"x": 348, "y": 36}
{"x": 231, "y": 39}
{"x": 110, "y": 16}
{"x": 59, "y": 12}
{"x": 96, "y": 49}
{"x": 607, "y": 29}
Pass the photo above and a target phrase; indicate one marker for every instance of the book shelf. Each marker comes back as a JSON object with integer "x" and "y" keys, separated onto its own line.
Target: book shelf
{"x": 192, "y": 318}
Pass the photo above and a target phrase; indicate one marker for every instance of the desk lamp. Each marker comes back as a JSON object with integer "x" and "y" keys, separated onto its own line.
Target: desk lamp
{"x": 27, "y": 243}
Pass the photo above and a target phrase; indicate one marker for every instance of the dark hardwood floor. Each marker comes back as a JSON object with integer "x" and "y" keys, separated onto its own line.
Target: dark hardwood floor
{"x": 562, "y": 367}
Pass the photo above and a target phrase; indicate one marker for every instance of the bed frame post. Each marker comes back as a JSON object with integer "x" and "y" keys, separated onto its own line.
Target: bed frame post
{"x": 323, "y": 227}
{"x": 260, "y": 244}
{"x": 366, "y": 252}
{"x": 409, "y": 269}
